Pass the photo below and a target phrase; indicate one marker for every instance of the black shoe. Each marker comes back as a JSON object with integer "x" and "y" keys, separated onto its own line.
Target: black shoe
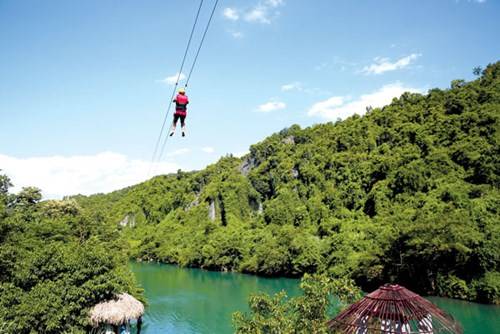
{"x": 171, "y": 134}
{"x": 183, "y": 134}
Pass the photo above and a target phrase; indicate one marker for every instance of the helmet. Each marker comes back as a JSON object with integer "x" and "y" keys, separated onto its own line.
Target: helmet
{"x": 182, "y": 91}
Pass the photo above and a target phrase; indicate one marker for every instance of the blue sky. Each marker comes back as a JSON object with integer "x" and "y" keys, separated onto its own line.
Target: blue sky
{"x": 84, "y": 84}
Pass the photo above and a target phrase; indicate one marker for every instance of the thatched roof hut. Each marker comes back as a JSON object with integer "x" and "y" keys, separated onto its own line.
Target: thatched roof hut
{"x": 116, "y": 312}
{"x": 394, "y": 309}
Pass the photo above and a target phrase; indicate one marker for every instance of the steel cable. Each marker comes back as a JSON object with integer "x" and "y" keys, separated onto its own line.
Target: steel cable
{"x": 173, "y": 92}
{"x": 192, "y": 67}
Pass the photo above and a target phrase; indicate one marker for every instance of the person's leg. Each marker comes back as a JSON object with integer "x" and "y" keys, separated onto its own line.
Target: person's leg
{"x": 176, "y": 118}
{"x": 183, "y": 125}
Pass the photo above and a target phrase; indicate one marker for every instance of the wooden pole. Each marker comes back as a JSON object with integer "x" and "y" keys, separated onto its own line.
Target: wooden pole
{"x": 139, "y": 325}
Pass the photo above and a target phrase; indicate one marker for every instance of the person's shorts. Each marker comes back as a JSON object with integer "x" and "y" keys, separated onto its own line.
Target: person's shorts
{"x": 181, "y": 116}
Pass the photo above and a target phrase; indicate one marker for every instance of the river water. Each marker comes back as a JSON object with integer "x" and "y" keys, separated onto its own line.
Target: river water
{"x": 189, "y": 301}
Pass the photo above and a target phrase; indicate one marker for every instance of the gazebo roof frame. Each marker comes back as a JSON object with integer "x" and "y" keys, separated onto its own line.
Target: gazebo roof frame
{"x": 393, "y": 309}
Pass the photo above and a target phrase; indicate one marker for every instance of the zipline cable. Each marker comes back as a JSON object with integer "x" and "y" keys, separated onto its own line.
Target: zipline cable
{"x": 192, "y": 67}
{"x": 201, "y": 43}
{"x": 174, "y": 90}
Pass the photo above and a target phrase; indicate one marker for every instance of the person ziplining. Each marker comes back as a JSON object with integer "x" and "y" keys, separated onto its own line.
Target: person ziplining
{"x": 181, "y": 101}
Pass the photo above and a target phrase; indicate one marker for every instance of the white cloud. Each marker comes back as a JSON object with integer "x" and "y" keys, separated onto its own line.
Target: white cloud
{"x": 271, "y": 106}
{"x": 326, "y": 107}
{"x": 382, "y": 65}
{"x": 237, "y": 34}
{"x": 231, "y": 14}
{"x": 180, "y": 151}
{"x": 171, "y": 80}
{"x": 291, "y": 86}
{"x": 321, "y": 66}
{"x": 264, "y": 11}
{"x": 339, "y": 107}
{"x": 258, "y": 14}
{"x": 59, "y": 176}
{"x": 274, "y": 3}
{"x": 208, "y": 149}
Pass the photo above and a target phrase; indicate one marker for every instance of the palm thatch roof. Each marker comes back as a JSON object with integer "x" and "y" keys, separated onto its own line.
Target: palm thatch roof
{"x": 117, "y": 311}
{"x": 394, "y": 309}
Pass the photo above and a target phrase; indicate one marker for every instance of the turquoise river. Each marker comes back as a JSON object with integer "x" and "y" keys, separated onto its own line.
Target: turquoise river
{"x": 188, "y": 301}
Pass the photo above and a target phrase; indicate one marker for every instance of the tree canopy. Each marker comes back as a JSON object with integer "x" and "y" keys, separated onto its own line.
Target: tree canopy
{"x": 55, "y": 263}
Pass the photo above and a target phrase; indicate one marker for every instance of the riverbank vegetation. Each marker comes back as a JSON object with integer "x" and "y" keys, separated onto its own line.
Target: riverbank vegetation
{"x": 55, "y": 263}
{"x": 408, "y": 193}
{"x": 322, "y": 297}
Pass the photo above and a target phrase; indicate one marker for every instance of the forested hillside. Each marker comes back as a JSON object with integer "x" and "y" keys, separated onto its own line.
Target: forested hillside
{"x": 55, "y": 263}
{"x": 408, "y": 193}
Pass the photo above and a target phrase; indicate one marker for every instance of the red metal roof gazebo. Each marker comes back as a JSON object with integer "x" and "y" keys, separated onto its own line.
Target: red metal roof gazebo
{"x": 396, "y": 310}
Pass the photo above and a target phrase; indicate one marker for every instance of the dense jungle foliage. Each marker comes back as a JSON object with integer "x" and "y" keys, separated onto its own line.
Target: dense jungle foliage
{"x": 55, "y": 263}
{"x": 408, "y": 193}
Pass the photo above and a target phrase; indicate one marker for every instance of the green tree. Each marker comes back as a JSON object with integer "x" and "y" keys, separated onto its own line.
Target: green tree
{"x": 307, "y": 313}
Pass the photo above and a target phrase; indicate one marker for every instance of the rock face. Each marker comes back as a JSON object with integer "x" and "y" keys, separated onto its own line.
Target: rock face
{"x": 193, "y": 203}
{"x": 247, "y": 165}
{"x": 211, "y": 210}
{"x": 290, "y": 140}
{"x": 129, "y": 221}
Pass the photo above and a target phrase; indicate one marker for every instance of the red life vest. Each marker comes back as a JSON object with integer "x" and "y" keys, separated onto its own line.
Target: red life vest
{"x": 181, "y": 102}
